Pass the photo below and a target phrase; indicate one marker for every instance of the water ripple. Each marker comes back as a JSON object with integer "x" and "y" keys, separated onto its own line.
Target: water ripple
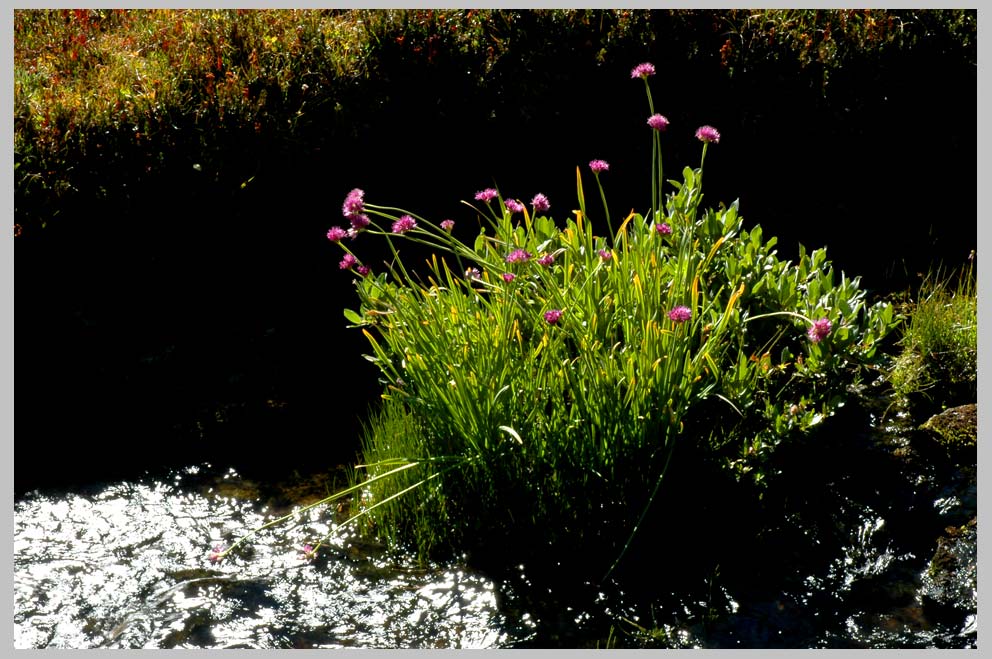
{"x": 127, "y": 567}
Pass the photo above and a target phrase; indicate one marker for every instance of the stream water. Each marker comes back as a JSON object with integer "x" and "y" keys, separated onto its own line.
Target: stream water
{"x": 842, "y": 559}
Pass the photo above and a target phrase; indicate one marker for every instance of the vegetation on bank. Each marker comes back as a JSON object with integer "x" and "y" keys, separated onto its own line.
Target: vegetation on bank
{"x": 937, "y": 366}
{"x": 107, "y": 100}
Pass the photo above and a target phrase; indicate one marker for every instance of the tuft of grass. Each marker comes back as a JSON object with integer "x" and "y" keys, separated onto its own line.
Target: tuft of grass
{"x": 938, "y": 362}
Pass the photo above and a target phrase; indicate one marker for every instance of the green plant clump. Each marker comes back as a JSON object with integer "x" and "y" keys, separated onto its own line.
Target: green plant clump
{"x": 940, "y": 344}
{"x": 538, "y": 376}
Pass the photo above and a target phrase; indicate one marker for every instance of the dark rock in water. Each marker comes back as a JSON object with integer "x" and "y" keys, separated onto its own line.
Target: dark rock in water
{"x": 949, "y": 584}
{"x": 951, "y": 579}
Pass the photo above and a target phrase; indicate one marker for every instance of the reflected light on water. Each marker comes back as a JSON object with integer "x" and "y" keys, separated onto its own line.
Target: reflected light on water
{"x": 128, "y": 567}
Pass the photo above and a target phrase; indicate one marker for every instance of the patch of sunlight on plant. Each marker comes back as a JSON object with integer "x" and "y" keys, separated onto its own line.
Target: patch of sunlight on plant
{"x": 939, "y": 343}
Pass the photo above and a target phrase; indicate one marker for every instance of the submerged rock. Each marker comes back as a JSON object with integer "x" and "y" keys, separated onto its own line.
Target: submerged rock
{"x": 951, "y": 579}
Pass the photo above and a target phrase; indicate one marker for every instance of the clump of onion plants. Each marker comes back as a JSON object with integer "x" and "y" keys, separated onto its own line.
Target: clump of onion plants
{"x": 539, "y": 376}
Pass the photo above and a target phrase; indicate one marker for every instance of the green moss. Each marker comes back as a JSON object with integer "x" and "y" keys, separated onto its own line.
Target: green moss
{"x": 955, "y": 428}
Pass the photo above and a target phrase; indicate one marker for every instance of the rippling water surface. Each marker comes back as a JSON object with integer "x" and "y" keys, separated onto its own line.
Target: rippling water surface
{"x": 127, "y": 567}
{"x": 840, "y": 555}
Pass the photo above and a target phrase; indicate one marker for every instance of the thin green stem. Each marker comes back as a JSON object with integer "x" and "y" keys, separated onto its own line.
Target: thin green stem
{"x": 644, "y": 513}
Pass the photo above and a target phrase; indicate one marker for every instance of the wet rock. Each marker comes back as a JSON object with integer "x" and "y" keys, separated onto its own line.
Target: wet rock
{"x": 956, "y": 431}
{"x": 950, "y": 583}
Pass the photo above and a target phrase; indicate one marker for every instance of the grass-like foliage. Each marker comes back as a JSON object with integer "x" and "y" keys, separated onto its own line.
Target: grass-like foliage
{"x": 939, "y": 345}
{"x": 539, "y": 376}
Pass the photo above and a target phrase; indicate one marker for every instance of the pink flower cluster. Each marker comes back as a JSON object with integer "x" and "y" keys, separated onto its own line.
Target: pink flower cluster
{"x": 552, "y": 316}
{"x": 708, "y": 134}
{"x": 598, "y": 166}
{"x": 819, "y": 330}
{"x": 354, "y": 210}
{"x": 404, "y": 224}
{"x": 642, "y": 70}
{"x": 518, "y": 256}
{"x": 680, "y": 314}
{"x": 540, "y": 203}
{"x": 514, "y": 206}
{"x": 486, "y": 195}
{"x": 658, "y": 122}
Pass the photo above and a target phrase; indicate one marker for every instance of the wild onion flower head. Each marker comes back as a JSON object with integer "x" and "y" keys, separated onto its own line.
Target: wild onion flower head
{"x": 404, "y": 224}
{"x": 448, "y": 225}
{"x": 215, "y": 553}
{"x": 642, "y": 70}
{"x": 363, "y": 270}
{"x": 663, "y": 228}
{"x": 508, "y": 277}
{"x": 598, "y": 166}
{"x": 336, "y": 234}
{"x": 359, "y": 222}
{"x": 348, "y": 261}
{"x": 680, "y": 314}
{"x": 658, "y": 122}
{"x": 708, "y": 134}
{"x": 552, "y": 316}
{"x": 819, "y": 330}
{"x": 473, "y": 273}
{"x": 540, "y": 203}
{"x": 354, "y": 203}
{"x": 605, "y": 254}
{"x": 514, "y": 206}
{"x": 487, "y": 195}
{"x": 308, "y": 552}
{"x": 518, "y": 256}
{"x": 546, "y": 260}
